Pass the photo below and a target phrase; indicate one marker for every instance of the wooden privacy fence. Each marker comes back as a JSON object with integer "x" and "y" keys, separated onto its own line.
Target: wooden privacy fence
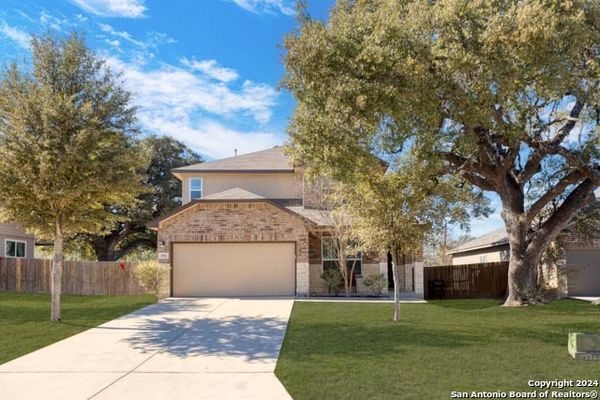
{"x": 466, "y": 281}
{"x": 79, "y": 277}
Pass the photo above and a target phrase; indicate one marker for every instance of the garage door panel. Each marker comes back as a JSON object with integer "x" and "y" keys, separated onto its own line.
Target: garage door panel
{"x": 233, "y": 269}
{"x": 583, "y": 272}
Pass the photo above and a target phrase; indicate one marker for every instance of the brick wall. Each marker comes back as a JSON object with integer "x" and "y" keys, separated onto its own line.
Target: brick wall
{"x": 235, "y": 222}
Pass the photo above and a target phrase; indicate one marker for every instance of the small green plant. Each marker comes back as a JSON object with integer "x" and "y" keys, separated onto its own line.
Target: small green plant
{"x": 153, "y": 276}
{"x": 334, "y": 279}
{"x": 375, "y": 283}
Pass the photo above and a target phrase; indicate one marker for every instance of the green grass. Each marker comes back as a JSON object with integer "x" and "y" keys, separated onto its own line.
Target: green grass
{"x": 25, "y": 323}
{"x": 355, "y": 351}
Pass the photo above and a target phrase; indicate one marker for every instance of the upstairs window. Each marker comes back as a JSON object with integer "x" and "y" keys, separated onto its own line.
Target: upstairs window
{"x": 15, "y": 248}
{"x": 195, "y": 188}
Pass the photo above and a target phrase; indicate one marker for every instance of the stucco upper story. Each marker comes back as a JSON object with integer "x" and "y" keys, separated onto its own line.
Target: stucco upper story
{"x": 269, "y": 174}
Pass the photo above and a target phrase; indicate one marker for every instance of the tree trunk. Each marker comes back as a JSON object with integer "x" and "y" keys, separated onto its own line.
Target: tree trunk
{"x": 527, "y": 247}
{"x": 56, "y": 276}
{"x": 522, "y": 280}
{"x": 396, "y": 283}
{"x": 344, "y": 270}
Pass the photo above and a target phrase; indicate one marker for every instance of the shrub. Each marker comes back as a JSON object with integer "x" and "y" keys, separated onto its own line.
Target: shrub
{"x": 334, "y": 279}
{"x": 375, "y": 283}
{"x": 153, "y": 276}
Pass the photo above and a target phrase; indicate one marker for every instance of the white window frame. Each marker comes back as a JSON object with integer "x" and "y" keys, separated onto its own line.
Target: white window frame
{"x": 15, "y": 241}
{"x": 323, "y": 259}
{"x": 190, "y": 188}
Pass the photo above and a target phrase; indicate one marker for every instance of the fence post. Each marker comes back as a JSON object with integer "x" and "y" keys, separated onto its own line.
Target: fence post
{"x": 18, "y": 275}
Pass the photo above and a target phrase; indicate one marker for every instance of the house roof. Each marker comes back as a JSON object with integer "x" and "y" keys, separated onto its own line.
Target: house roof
{"x": 238, "y": 195}
{"x": 494, "y": 238}
{"x": 319, "y": 217}
{"x": 270, "y": 160}
{"x": 499, "y": 236}
{"x": 233, "y": 194}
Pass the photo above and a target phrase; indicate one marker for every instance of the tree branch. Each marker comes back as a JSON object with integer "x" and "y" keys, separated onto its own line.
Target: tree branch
{"x": 469, "y": 169}
{"x": 556, "y": 190}
{"x": 582, "y": 195}
{"x": 591, "y": 171}
{"x": 544, "y": 148}
{"x": 478, "y": 181}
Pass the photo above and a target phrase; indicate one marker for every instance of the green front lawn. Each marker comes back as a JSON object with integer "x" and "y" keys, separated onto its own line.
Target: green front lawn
{"x": 355, "y": 351}
{"x": 25, "y": 323}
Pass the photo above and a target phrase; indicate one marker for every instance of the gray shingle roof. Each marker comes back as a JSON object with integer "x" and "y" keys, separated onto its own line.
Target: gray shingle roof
{"x": 273, "y": 160}
{"x": 317, "y": 216}
{"x": 494, "y": 238}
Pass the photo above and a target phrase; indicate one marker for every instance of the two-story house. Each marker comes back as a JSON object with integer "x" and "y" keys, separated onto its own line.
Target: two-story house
{"x": 250, "y": 226}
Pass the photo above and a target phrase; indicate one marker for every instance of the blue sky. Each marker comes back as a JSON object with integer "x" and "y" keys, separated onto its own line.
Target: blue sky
{"x": 202, "y": 71}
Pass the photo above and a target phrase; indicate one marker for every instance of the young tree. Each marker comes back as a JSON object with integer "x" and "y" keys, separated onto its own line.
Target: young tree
{"x": 67, "y": 146}
{"x": 162, "y": 194}
{"x": 398, "y": 211}
{"x": 345, "y": 243}
{"x": 495, "y": 89}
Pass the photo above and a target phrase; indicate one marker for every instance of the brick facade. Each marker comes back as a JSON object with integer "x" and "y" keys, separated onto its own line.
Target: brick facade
{"x": 235, "y": 222}
{"x": 372, "y": 263}
{"x": 261, "y": 221}
{"x": 239, "y": 222}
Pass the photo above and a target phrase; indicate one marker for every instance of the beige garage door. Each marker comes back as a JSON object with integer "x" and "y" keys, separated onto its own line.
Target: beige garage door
{"x": 234, "y": 269}
{"x": 583, "y": 272}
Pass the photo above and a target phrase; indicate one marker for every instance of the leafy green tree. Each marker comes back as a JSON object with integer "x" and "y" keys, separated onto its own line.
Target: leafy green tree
{"x": 67, "y": 146}
{"x": 162, "y": 194}
{"x": 399, "y": 211}
{"x": 498, "y": 90}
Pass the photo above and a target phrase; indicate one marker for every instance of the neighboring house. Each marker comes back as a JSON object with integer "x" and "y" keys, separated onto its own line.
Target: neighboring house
{"x": 576, "y": 273}
{"x": 251, "y": 225}
{"x": 15, "y": 242}
{"x": 491, "y": 247}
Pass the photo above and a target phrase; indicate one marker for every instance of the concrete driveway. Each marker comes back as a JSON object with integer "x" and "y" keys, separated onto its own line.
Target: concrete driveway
{"x": 179, "y": 348}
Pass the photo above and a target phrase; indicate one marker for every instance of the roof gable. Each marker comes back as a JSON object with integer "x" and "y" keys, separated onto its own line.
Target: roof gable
{"x": 234, "y": 194}
{"x": 497, "y": 237}
{"x": 270, "y": 160}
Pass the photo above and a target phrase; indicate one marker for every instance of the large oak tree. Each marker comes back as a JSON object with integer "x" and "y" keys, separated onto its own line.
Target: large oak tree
{"x": 67, "y": 146}
{"x": 162, "y": 193}
{"x": 505, "y": 92}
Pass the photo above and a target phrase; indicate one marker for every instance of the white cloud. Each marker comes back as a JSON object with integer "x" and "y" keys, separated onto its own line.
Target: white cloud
{"x": 114, "y": 43}
{"x": 21, "y": 38}
{"x": 185, "y": 104}
{"x": 113, "y": 8}
{"x": 267, "y": 6}
{"x": 49, "y": 20}
{"x": 179, "y": 90}
{"x": 210, "y": 138}
{"x": 154, "y": 39}
{"x": 122, "y": 34}
{"x": 211, "y": 69}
